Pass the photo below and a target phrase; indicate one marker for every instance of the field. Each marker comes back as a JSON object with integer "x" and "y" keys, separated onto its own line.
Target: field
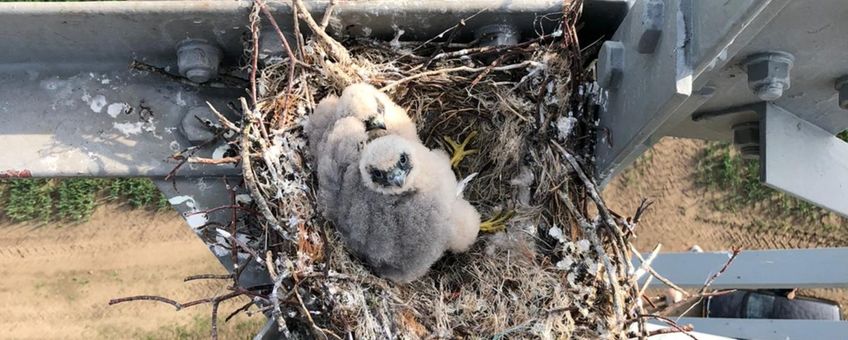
{"x": 59, "y": 275}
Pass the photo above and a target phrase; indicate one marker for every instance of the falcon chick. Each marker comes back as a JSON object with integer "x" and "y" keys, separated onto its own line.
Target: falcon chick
{"x": 379, "y": 114}
{"x": 402, "y": 212}
{"x": 393, "y": 200}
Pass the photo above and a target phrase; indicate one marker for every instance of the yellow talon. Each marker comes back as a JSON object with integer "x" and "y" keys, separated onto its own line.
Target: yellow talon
{"x": 458, "y": 151}
{"x": 497, "y": 222}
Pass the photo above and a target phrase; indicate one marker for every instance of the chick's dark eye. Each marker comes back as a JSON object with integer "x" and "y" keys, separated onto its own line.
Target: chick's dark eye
{"x": 376, "y": 174}
{"x": 403, "y": 159}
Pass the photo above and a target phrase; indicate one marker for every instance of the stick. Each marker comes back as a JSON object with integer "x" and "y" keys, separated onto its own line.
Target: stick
{"x": 721, "y": 271}
{"x": 523, "y": 64}
{"x": 208, "y": 277}
{"x": 653, "y": 272}
{"x": 589, "y": 231}
{"x": 250, "y": 180}
{"x": 212, "y": 161}
{"x": 176, "y": 305}
{"x": 328, "y": 13}
{"x": 334, "y": 48}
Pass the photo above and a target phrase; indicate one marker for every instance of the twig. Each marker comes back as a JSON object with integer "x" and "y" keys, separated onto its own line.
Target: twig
{"x": 223, "y": 120}
{"x": 328, "y": 14}
{"x": 712, "y": 278}
{"x": 489, "y": 49}
{"x": 208, "y": 277}
{"x": 671, "y": 330}
{"x": 520, "y": 65}
{"x": 243, "y": 308}
{"x": 333, "y": 47}
{"x": 654, "y": 273}
{"x": 254, "y": 58}
{"x": 612, "y": 276}
{"x": 250, "y": 180}
{"x": 176, "y": 305}
{"x": 214, "y": 321}
{"x": 671, "y": 323}
{"x": 212, "y": 161}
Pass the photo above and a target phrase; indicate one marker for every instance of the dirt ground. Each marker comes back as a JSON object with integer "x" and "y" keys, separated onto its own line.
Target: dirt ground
{"x": 57, "y": 279}
{"x": 683, "y": 214}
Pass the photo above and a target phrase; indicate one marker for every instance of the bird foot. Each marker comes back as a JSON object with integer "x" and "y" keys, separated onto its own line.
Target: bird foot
{"x": 458, "y": 150}
{"x": 497, "y": 222}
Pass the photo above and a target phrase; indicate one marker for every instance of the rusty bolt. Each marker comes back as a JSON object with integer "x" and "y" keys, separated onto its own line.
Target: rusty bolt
{"x": 768, "y": 74}
{"x": 198, "y": 60}
{"x": 842, "y": 87}
{"x": 746, "y": 137}
{"x": 653, "y": 18}
{"x": 610, "y": 64}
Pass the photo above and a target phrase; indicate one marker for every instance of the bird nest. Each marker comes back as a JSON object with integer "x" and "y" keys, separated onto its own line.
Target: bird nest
{"x": 560, "y": 268}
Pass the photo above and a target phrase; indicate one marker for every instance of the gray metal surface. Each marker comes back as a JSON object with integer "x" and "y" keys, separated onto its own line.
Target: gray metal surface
{"x": 701, "y": 73}
{"x": 65, "y": 90}
{"x": 804, "y": 160}
{"x": 641, "y": 101}
{"x": 766, "y": 329}
{"x": 793, "y": 268}
{"x": 101, "y": 122}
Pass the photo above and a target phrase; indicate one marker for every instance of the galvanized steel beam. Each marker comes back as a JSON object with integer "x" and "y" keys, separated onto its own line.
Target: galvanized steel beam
{"x": 757, "y": 269}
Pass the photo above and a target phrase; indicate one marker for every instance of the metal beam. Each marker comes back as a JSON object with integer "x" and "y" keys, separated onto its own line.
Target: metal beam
{"x": 766, "y": 329}
{"x": 794, "y": 268}
{"x": 804, "y": 160}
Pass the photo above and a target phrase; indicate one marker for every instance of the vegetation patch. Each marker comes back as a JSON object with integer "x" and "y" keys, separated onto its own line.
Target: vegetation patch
{"x": 73, "y": 199}
{"x": 721, "y": 168}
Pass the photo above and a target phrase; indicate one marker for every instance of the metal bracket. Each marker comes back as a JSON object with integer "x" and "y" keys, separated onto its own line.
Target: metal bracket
{"x": 804, "y": 160}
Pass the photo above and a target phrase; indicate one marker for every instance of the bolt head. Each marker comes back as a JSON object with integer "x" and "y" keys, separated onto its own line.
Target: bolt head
{"x": 746, "y": 137}
{"x": 653, "y": 18}
{"x": 193, "y": 127}
{"x": 842, "y": 88}
{"x": 610, "y": 67}
{"x": 768, "y": 74}
{"x": 198, "y": 60}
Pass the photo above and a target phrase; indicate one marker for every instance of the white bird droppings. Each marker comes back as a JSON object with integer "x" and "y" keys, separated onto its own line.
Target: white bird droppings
{"x": 97, "y": 103}
{"x": 115, "y": 109}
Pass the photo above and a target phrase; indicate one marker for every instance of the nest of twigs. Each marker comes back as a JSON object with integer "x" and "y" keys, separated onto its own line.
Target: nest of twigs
{"x": 554, "y": 272}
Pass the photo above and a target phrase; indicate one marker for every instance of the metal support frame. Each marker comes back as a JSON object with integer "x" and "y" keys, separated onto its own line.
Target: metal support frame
{"x": 710, "y": 42}
{"x": 754, "y": 269}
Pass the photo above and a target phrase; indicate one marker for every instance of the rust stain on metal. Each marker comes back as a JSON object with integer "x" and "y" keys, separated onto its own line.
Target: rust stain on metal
{"x": 16, "y": 174}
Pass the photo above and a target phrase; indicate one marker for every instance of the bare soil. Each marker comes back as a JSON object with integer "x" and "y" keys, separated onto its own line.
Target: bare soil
{"x": 57, "y": 280}
{"x": 683, "y": 213}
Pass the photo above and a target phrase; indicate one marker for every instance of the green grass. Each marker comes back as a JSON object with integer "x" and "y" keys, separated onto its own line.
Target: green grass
{"x": 721, "y": 168}
{"x": 200, "y": 328}
{"x": 73, "y": 200}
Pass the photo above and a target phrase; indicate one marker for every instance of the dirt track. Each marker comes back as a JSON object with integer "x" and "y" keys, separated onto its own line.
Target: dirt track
{"x": 57, "y": 280}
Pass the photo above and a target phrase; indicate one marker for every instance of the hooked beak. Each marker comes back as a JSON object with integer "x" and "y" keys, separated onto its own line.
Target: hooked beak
{"x": 375, "y": 123}
{"x": 397, "y": 177}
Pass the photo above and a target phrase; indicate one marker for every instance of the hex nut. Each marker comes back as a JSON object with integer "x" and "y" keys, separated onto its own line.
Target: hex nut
{"x": 194, "y": 129}
{"x": 746, "y": 137}
{"x": 769, "y": 73}
{"x": 653, "y": 18}
{"x": 610, "y": 68}
{"x": 198, "y": 60}
{"x": 842, "y": 88}
{"x": 497, "y": 35}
